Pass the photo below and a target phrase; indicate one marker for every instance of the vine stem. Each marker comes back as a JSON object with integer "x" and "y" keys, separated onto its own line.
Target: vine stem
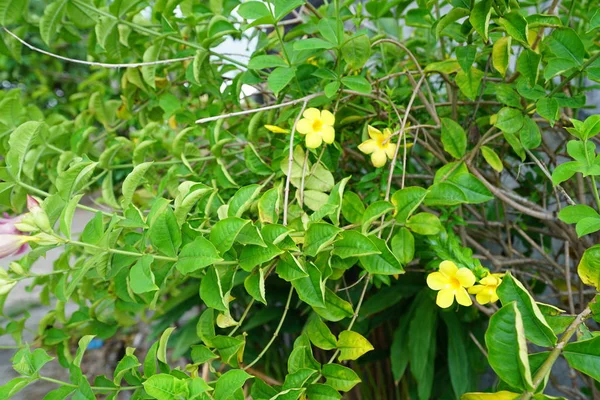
{"x": 93, "y": 63}
{"x": 291, "y": 163}
{"x": 355, "y": 316}
{"x": 98, "y": 388}
{"x": 547, "y": 365}
{"x": 304, "y": 99}
{"x": 276, "y": 333}
{"x": 595, "y": 189}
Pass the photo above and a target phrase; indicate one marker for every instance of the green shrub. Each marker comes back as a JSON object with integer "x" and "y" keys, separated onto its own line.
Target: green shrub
{"x": 376, "y": 203}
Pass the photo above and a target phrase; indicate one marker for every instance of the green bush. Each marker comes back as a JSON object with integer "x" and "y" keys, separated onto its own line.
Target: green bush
{"x": 375, "y": 204}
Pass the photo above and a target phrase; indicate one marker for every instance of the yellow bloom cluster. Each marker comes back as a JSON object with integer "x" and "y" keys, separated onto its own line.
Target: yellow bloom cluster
{"x": 452, "y": 283}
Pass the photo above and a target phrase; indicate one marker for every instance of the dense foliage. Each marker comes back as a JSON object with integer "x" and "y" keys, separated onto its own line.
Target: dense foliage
{"x": 386, "y": 199}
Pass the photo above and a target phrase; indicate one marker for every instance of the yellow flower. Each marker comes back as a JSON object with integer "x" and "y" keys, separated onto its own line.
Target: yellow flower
{"x": 276, "y": 129}
{"x": 486, "y": 290}
{"x": 317, "y": 126}
{"x": 376, "y": 147}
{"x": 313, "y": 61}
{"x": 451, "y": 282}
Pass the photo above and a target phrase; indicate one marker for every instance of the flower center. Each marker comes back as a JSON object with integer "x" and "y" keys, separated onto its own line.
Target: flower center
{"x": 454, "y": 283}
{"x": 317, "y": 125}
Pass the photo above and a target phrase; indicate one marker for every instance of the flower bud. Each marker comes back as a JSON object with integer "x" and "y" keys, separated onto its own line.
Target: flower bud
{"x": 32, "y": 203}
{"x": 17, "y": 268}
{"x": 45, "y": 239}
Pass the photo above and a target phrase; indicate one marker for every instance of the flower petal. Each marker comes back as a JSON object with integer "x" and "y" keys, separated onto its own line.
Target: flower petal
{"x": 276, "y": 129}
{"x": 462, "y": 297}
{"x": 327, "y": 117}
{"x": 465, "y": 277}
{"x": 378, "y": 158}
{"x": 483, "y": 298}
{"x": 328, "y": 134}
{"x": 368, "y": 146}
{"x": 312, "y": 113}
{"x": 448, "y": 268}
{"x": 476, "y": 289}
{"x": 313, "y": 140}
{"x": 445, "y": 298}
{"x": 304, "y": 126}
{"x": 374, "y": 133}
{"x": 390, "y": 150}
{"x": 437, "y": 281}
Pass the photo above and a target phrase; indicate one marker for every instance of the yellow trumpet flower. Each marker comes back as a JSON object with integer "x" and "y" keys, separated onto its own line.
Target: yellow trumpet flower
{"x": 317, "y": 126}
{"x": 451, "y": 282}
{"x": 485, "y": 292}
{"x": 380, "y": 147}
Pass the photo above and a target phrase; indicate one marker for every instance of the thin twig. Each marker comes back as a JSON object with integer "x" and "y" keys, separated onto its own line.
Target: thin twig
{"x": 97, "y": 64}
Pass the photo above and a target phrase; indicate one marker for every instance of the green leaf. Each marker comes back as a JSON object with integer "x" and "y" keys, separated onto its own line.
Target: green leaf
{"x": 354, "y": 244}
{"x": 384, "y": 263}
{"x": 566, "y": 44}
{"x": 224, "y": 233}
{"x": 196, "y": 255}
{"x": 589, "y": 267}
{"x": 312, "y": 44}
{"x": 335, "y": 308}
{"x": 242, "y": 200}
{"x": 52, "y": 19}
{"x": 318, "y": 236}
{"x": 547, "y": 108}
{"x": 454, "y": 15}
{"x": 12, "y": 387}
{"x": 507, "y": 348}
{"x": 211, "y": 290}
{"x": 164, "y": 233}
{"x": 198, "y": 63}
{"x": 530, "y": 134}
{"x": 424, "y": 224}
{"x": 28, "y": 363}
{"x": 284, "y": 7}
{"x": 502, "y": 395}
{"x": 573, "y": 214}
{"x": 422, "y": 343}
{"x": 510, "y": 120}
{"x": 407, "y": 200}
{"x": 564, "y": 172}
{"x": 352, "y": 207}
{"x": 141, "y": 278}
{"x": 480, "y": 18}
{"x": 255, "y": 285}
{"x": 537, "y": 329}
{"x": 469, "y": 82}
{"x": 375, "y": 211}
{"x": 319, "y": 391}
{"x": 253, "y": 255}
{"x": 352, "y": 345}
{"x": 458, "y": 360}
{"x": 584, "y": 356}
{"x": 11, "y": 11}
{"x": 82, "y": 346}
{"x": 253, "y": 10}
{"x": 454, "y": 138}
{"x": 528, "y": 65}
{"x": 501, "y": 54}
{"x": 20, "y": 143}
{"x": 515, "y": 25}
{"x": 320, "y": 335}
{"x": 229, "y": 383}
{"x": 151, "y": 55}
{"x": 357, "y": 83}
{"x": 356, "y": 51}
{"x": 587, "y": 226}
{"x": 492, "y": 158}
{"x": 66, "y": 218}
{"x": 132, "y": 181}
{"x": 266, "y": 61}
{"x": 339, "y": 377}
{"x": 280, "y": 78}
{"x": 403, "y": 246}
{"x": 72, "y": 180}
{"x": 165, "y": 387}
{"x": 331, "y": 88}
{"x": 311, "y": 289}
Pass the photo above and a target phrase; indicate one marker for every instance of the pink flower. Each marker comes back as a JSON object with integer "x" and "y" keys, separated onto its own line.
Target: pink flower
{"x": 12, "y": 240}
